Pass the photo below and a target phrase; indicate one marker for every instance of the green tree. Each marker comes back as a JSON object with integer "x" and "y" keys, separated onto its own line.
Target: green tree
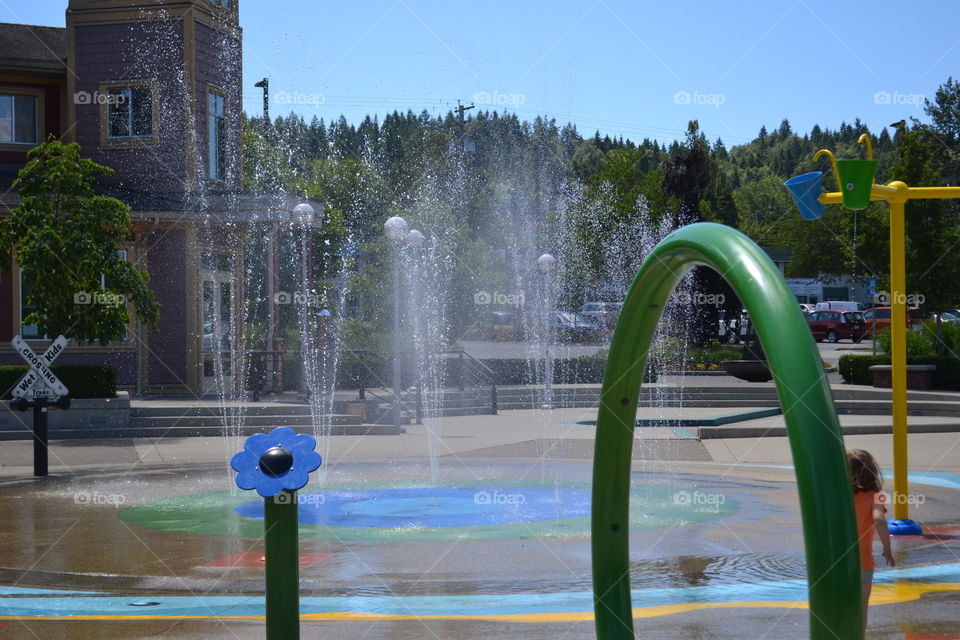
{"x": 932, "y": 235}
{"x": 67, "y": 240}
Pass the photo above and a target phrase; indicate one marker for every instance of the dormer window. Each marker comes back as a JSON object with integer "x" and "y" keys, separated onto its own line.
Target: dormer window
{"x": 130, "y": 112}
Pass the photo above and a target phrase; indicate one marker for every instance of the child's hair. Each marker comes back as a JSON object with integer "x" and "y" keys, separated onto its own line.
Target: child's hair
{"x": 864, "y": 471}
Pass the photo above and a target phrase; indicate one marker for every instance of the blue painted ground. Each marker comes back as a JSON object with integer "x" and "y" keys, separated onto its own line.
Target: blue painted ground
{"x": 72, "y": 603}
{"x": 433, "y": 507}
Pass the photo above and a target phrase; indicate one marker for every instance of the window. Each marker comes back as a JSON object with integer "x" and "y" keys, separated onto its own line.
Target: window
{"x": 217, "y": 136}
{"x": 130, "y": 112}
{"x": 31, "y": 332}
{"x": 222, "y": 3}
{"x": 18, "y": 119}
{"x": 27, "y": 331}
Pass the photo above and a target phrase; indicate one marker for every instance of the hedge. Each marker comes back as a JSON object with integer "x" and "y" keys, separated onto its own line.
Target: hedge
{"x": 855, "y": 369}
{"x": 84, "y": 381}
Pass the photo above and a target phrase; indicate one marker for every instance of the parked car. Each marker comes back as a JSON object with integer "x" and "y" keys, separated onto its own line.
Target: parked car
{"x": 834, "y": 326}
{"x": 604, "y": 314}
{"x": 573, "y": 327}
{"x": 950, "y": 315}
{"x": 840, "y": 305}
{"x": 501, "y": 325}
{"x": 878, "y": 318}
{"x": 807, "y": 308}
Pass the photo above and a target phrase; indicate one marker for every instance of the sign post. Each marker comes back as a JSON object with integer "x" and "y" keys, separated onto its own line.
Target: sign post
{"x": 39, "y": 388}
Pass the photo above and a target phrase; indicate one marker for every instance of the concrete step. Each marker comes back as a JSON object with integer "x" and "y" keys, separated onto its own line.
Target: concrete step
{"x": 207, "y": 411}
{"x": 253, "y": 421}
{"x": 188, "y": 431}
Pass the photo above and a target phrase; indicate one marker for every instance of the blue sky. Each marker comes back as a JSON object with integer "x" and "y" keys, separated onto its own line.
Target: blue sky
{"x": 637, "y": 69}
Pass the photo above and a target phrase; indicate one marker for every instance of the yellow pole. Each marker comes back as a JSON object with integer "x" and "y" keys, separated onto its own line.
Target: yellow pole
{"x": 898, "y": 350}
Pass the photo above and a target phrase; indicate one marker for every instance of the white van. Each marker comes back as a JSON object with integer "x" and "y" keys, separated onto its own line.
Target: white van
{"x": 840, "y": 305}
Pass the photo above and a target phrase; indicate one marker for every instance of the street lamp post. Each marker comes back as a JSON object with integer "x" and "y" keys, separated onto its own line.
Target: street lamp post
{"x": 415, "y": 240}
{"x": 545, "y": 264}
{"x": 396, "y": 229}
{"x": 303, "y": 215}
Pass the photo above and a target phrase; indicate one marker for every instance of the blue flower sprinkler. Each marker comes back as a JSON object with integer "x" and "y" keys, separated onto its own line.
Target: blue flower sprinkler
{"x": 277, "y": 464}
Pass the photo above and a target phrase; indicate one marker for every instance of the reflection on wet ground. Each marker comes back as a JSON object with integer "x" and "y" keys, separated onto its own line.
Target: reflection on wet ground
{"x": 490, "y": 545}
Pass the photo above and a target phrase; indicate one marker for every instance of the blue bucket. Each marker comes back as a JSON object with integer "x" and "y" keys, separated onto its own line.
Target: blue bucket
{"x": 806, "y": 190}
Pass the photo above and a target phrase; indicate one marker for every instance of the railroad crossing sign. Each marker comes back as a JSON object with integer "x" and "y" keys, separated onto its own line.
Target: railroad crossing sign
{"x": 39, "y": 381}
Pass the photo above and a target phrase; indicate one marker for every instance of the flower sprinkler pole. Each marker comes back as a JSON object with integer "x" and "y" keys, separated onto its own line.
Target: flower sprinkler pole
{"x": 277, "y": 464}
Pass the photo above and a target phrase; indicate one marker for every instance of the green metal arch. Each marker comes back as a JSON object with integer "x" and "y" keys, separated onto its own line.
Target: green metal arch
{"x": 816, "y": 442}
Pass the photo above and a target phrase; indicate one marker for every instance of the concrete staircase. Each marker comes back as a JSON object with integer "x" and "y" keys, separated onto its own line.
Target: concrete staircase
{"x": 189, "y": 419}
{"x": 374, "y": 415}
{"x": 152, "y": 422}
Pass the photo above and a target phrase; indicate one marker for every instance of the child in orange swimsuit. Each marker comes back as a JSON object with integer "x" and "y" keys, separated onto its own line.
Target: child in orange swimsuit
{"x": 868, "y": 505}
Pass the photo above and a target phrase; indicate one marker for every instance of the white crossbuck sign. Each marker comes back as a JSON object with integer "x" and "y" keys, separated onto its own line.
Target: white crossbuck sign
{"x": 39, "y": 382}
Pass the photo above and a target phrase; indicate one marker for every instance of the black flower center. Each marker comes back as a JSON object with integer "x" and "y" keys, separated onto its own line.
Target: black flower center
{"x": 275, "y": 461}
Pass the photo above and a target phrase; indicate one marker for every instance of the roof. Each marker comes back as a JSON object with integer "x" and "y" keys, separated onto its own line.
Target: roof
{"x": 31, "y": 47}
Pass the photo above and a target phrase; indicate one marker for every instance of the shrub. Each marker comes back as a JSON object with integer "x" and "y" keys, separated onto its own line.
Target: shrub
{"x": 920, "y": 344}
{"x": 83, "y": 381}
{"x": 855, "y": 369}
{"x": 949, "y": 334}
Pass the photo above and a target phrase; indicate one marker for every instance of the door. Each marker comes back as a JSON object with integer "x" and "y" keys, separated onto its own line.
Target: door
{"x": 815, "y": 321}
{"x": 217, "y": 340}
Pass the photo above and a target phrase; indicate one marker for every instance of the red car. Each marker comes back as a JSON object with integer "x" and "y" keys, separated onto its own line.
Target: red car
{"x": 833, "y": 326}
{"x": 878, "y": 318}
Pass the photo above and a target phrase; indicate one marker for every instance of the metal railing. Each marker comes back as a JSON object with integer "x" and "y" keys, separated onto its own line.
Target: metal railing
{"x": 483, "y": 375}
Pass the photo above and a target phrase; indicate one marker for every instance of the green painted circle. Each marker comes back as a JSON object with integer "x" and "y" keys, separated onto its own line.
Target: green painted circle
{"x": 655, "y": 506}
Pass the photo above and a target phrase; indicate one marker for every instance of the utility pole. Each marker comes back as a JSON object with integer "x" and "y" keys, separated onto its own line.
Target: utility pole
{"x": 273, "y": 357}
{"x": 460, "y": 111}
{"x": 265, "y": 85}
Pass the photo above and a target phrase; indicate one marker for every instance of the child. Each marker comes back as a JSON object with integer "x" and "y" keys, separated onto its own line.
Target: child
{"x": 868, "y": 505}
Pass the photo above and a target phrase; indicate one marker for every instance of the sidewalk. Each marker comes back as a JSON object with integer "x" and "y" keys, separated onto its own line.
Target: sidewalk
{"x": 510, "y": 434}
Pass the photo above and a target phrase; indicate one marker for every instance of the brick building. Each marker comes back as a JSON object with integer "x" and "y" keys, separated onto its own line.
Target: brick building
{"x": 152, "y": 89}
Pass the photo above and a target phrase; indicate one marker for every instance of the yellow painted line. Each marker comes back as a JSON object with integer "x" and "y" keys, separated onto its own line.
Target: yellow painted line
{"x": 882, "y": 594}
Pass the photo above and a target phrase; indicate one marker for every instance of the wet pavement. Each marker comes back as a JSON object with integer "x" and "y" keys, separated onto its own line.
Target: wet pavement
{"x": 154, "y": 542}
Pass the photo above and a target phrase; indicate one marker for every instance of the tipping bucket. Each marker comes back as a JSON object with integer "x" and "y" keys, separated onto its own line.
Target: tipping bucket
{"x": 805, "y": 190}
{"x": 856, "y": 178}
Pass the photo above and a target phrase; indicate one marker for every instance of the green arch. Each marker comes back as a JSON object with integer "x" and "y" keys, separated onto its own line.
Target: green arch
{"x": 816, "y": 442}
